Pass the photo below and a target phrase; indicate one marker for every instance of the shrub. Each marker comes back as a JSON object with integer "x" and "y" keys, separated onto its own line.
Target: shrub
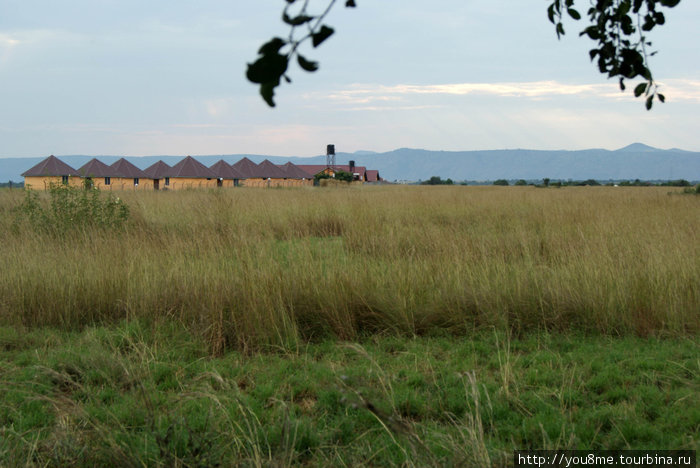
{"x": 436, "y": 180}
{"x": 339, "y": 175}
{"x": 344, "y": 176}
{"x": 70, "y": 208}
{"x": 501, "y": 182}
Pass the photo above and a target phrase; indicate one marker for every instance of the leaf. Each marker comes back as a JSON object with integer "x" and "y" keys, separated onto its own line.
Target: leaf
{"x": 267, "y": 91}
{"x": 661, "y": 97}
{"x": 272, "y": 46}
{"x": 350, "y": 4}
{"x": 307, "y": 65}
{"x": 560, "y": 29}
{"x": 297, "y": 20}
{"x": 640, "y": 89}
{"x": 320, "y": 36}
{"x": 574, "y": 14}
{"x": 267, "y": 68}
{"x": 650, "y": 102}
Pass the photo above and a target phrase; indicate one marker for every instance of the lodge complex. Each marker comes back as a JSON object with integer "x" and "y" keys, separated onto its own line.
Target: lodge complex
{"x": 186, "y": 174}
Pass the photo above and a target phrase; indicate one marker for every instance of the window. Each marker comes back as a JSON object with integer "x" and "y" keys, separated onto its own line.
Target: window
{"x": 108, "y": 180}
{"x": 64, "y": 179}
{"x": 167, "y": 181}
{"x": 136, "y": 181}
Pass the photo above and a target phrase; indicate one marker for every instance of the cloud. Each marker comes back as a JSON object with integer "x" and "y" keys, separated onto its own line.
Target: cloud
{"x": 7, "y": 45}
{"x": 7, "y": 41}
{"x": 681, "y": 90}
{"x": 396, "y": 97}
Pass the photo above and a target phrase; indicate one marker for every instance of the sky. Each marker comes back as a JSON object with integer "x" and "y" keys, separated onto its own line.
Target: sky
{"x": 167, "y": 77}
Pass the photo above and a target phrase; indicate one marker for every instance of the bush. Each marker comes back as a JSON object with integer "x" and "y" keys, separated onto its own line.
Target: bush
{"x": 344, "y": 176}
{"x": 71, "y": 208}
{"x": 339, "y": 175}
{"x": 521, "y": 182}
{"x": 501, "y": 182}
{"x": 692, "y": 190}
{"x": 436, "y": 180}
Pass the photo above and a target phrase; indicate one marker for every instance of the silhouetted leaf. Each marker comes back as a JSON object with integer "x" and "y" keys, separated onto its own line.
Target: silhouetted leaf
{"x": 640, "y": 89}
{"x": 560, "y": 29}
{"x": 297, "y": 20}
{"x": 661, "y": 97}
{"x": 307, "y": 65}
{"x": 272, "y": 46}
{"x": 267, "y": 91}
{"x": 350, "y": 4}
{"x": 267, "y": 68}
{"x": 650, "y": 102}
{"x": 574, "y": 14}
{"x": 324, "y": 33}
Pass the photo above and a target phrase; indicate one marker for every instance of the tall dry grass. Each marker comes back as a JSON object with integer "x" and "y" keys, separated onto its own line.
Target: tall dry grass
{"x": 254, "y": 267}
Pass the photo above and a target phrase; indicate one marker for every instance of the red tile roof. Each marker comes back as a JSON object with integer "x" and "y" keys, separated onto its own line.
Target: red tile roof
{"x": 224, "y": 170}
{"x": 191, "y": 168}
{"x": 314, "y": 169}
{"x": 158, "y": 170}
{"x": 373, "y": 175}
{"x": 123, "y": 168}
{"x": 267, "y": 170}
{"x": 51, "y": 166}
{"x": 96, "y": 168}
{"x": 294, "y": 172}
{"x": 246, "y": 167}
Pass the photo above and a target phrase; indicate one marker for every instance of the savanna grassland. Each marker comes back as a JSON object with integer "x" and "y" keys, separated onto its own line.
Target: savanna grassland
{"x": 347, "y": 326}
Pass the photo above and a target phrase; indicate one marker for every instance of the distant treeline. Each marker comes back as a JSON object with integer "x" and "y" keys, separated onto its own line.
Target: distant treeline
{"x": 592, "y": 182}
{"x": 546, "y": 182}
{"x": 11, "y": 184}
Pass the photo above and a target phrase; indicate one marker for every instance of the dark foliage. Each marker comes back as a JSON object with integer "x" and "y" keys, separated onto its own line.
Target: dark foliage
{"x": 618, "y": 27}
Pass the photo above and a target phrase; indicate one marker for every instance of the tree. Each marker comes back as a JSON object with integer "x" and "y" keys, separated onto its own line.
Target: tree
{"x": 436, "y": 180}
{"x": 503, "y": 182}
{"x": 618, "y": 27}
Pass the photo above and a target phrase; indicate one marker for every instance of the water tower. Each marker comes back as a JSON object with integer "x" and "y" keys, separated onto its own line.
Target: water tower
{"x": 330, "y": 156}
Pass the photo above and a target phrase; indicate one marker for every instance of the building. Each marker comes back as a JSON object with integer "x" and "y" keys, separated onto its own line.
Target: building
{"x": 159, "y": 173}
{"x": 191, "y": 174}
{"x": 188, "y": 173}
{"x": 359, "y": 173}
{"x": 97, "y": 174}
{"x": 129, "y": 177}
{"x": 51, "y": 171}
{"x": 226, "y": 175}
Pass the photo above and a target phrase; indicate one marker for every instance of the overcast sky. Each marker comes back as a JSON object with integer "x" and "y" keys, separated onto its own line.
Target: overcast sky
{"x": 155, "y": 77}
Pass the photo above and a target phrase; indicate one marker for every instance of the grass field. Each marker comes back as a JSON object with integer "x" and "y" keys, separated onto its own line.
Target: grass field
{"x": 367, "y": 325}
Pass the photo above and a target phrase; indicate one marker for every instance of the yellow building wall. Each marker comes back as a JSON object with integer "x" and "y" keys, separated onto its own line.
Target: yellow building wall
{"x": 270, "y": 183}
{"x": 45, "y": 183}
{"x": 180, "y": 183}
{"x": 121, "y": 183}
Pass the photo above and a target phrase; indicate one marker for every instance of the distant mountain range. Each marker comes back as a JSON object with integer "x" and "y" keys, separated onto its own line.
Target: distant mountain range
{"x": 636, "y": 161}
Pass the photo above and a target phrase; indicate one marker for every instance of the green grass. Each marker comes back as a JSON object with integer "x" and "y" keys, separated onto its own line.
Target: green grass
{"x": 132, "y": 395}
{"x": 417, "y": 326}
{"x": 247, "y": 269}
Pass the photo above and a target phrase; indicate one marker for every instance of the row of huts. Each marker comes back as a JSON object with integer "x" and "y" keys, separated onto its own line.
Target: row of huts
{"x": 188, "y": 173}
